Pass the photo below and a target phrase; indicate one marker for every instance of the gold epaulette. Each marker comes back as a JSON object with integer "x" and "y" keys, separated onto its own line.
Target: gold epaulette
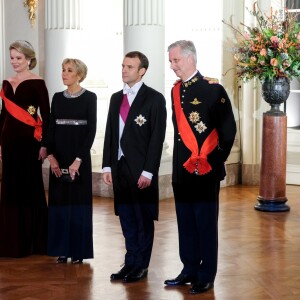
{"x": 211, "y": 80}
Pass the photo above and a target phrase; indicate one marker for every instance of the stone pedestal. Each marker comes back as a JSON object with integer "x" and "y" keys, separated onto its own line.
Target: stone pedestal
{"x": 272, "y": 188}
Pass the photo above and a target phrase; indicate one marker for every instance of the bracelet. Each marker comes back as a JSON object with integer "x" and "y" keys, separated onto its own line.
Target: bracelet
{"x": 78, "y": 159}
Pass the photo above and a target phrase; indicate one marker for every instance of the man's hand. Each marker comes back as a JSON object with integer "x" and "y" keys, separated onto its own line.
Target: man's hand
{"x": 143, "y": 182}
{"x": 211, "y": 80}
{"x": 107, "y": 178}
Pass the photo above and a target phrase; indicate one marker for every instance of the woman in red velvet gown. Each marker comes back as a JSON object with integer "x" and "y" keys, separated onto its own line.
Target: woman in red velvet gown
{"x": 23, "y": 206}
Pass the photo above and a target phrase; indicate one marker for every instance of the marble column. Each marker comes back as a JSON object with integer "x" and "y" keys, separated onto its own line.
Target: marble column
{"x": 272, "y": 188}
{"x": 144, "y": 31}
{"x": 63, "y": 35}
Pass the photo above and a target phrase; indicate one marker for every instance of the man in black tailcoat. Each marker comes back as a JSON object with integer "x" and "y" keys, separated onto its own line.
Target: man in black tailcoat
{"x": 134, "y": 136}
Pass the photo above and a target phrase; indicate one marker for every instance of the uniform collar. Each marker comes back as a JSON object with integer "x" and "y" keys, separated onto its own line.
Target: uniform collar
{"x": 194, "y": 78}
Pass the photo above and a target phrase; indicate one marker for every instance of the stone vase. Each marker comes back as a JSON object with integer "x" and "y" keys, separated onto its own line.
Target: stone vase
{"x": 275, "y": 91}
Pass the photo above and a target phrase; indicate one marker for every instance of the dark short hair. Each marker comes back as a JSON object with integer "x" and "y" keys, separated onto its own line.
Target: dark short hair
{"x": 144, "y": 62}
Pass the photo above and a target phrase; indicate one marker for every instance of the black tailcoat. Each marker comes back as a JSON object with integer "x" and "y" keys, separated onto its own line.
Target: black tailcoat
{"x": 142, "y": 138}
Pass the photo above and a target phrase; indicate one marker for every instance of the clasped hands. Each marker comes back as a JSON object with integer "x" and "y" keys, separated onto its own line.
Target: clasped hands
{"x": 56, "y": 170}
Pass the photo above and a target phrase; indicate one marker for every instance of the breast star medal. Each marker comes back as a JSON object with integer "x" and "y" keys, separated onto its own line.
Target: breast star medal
{"x": 31, "y": 109}
{"x": 200, "y": 127}
{"x": 140, "y": 120}
{"x": 194, "y": 117}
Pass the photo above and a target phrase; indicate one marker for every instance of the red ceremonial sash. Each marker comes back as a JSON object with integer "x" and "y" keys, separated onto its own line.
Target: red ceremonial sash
{"x": 23, "y": 116}
{"x": 198, "y": 160}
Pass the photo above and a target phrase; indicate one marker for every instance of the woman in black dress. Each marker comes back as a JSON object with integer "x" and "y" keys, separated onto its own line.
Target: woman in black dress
{"x": 23, "y": 206}
{"x": 71, "y": 134}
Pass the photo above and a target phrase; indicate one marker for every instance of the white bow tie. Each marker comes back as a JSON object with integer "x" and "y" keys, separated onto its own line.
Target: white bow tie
{"x": 128, "y": 91}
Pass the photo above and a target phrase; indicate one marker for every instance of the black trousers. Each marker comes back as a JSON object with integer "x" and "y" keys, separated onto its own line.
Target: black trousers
{"x": 197, "y": 210}
{"x": 136, "y": 218}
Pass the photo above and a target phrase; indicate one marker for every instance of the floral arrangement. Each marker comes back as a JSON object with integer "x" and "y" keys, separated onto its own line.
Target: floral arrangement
{"x": 271, "y": 49}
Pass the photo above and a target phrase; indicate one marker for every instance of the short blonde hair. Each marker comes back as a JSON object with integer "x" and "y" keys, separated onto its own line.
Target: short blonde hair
{"x": 80, "y": 67}
{"x": 25, "y": 48}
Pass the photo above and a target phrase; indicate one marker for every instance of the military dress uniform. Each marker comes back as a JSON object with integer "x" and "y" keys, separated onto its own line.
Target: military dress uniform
{"x": 207, "y": 109}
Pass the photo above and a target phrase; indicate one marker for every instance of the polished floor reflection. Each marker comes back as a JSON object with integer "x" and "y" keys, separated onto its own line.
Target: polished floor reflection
{"x": 258, "y": 257}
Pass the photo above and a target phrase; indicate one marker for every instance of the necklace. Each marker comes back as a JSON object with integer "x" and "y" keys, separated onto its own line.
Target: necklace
{"x": 67, "y": 94}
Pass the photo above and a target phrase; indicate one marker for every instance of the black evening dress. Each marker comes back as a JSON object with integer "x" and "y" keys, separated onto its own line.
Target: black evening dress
{"x": 23, "y": 206}
{"x": 71, "y": 134}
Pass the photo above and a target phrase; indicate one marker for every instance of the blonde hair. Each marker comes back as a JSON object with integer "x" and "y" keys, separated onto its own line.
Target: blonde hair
{"x": 80, "y": 67}
{"x": 25, "y": 48}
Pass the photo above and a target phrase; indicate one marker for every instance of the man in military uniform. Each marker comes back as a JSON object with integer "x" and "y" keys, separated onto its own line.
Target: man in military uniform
{"x": 204, "y": 132}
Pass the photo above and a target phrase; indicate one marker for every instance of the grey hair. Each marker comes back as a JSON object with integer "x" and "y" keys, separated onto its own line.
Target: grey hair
{"x": 187, "y": 48}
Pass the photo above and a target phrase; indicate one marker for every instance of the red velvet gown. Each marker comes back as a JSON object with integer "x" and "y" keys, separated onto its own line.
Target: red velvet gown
{"x": 23, "y": 206}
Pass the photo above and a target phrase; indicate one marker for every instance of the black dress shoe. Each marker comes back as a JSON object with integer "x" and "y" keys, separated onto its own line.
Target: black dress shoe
{"x": 121, "y": 274}
{"x": 61, "y": 260}
{"x": 76, "y": 260}
{"x": 200, "y": 287}
{"x": 135, "y": 275}
{"x": 181, "y": 279}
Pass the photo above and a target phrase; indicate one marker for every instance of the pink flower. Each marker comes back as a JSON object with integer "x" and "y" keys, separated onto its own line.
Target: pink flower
{"x": 274, "y": 62}
{"x": 253, "y": 58}
{"x": 263, "y": 52}
{"x": 274, "y": 39}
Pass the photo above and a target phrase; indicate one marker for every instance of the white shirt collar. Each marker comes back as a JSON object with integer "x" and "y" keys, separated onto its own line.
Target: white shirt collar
{"x": 132, "y": 90}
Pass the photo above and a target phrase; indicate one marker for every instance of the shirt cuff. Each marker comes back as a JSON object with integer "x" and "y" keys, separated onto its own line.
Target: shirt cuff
{"x": 106, "y": 170}
{"x": 147, "y": 174}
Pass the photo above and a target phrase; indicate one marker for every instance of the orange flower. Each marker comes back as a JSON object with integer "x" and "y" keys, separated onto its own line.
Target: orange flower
{"x": 274, "y": 62}
{"x": 263, "y": 52}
